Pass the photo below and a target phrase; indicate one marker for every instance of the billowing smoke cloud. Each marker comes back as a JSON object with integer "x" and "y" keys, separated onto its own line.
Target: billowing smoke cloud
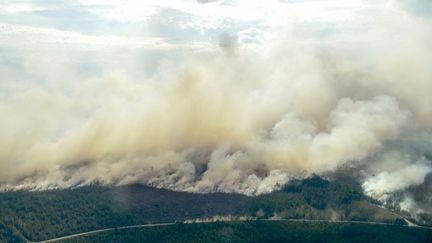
{"x": 399, "y": 178}
{"x": 244, "y": 120}
{"x": 203, "y": 127}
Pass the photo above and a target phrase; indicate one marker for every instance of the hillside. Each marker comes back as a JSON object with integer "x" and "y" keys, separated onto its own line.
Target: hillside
{"x": 48, "y": 214}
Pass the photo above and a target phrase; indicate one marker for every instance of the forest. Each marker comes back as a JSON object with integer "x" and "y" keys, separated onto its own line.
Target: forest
{"x": 264, "y": 231}
{"x": 41, "y": 215}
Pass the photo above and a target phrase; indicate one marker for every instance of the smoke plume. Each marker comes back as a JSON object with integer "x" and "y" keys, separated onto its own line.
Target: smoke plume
{"x": 241, "y": 120}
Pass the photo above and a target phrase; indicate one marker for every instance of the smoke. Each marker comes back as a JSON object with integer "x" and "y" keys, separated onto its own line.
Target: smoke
{"x": 241, "y": 119}
{"x": 387, "y": 182}
{"x": 204, "y": 127}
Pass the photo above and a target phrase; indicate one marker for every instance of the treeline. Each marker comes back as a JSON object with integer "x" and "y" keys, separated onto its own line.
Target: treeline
{"x": 264, "y": 231}
{"x": 49, "y": 214}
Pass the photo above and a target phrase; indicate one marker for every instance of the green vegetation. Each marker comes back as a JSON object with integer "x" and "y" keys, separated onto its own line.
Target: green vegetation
{"x": 10, "y": 234}
{"x": 264, "y": 231}
{"x": 316, "y": 198}
{"x": 49, "y": 214}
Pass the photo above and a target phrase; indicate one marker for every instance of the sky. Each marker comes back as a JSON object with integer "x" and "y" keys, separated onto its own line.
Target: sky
{"x": 225, "y": 95}
{"x": 120, "y": 29}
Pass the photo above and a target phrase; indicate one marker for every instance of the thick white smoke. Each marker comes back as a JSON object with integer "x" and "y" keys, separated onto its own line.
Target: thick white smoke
{"x": 397, "y": 177}
{"x": 229, "y": 124}
{"x": 245, "y": 119}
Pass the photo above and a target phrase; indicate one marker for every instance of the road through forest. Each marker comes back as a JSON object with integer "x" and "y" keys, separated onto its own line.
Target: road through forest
{"x": 202, "y": 221}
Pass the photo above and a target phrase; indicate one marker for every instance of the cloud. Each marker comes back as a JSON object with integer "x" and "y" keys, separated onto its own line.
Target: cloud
{"x": 418, "y": 7}
{"x": 54, "y": 36}
{"x": 251, "y": 36}
{"x": 207, "y": 1}
{"x": 13, "y": 8}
